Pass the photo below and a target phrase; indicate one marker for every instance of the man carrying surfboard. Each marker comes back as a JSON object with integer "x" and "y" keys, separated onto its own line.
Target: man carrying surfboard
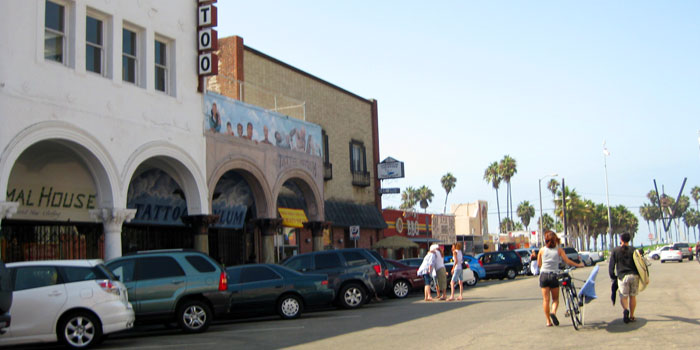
{"x": 622, "y": 268}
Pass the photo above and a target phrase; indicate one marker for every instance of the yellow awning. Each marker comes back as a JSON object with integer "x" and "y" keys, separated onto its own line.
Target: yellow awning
{"x": 292, "y": 217}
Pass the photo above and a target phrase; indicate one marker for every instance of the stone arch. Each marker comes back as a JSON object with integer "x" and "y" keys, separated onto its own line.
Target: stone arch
{"x": 175, "y": 162}
{"x": 255, "y": 177}
{"x": 94, "y": 155}
{"x": 308, "y": 186}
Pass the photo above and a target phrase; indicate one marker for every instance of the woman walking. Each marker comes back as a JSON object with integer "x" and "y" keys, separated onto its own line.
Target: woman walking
{"x": 548, "y": 260}
{"x": 456, "y": 271}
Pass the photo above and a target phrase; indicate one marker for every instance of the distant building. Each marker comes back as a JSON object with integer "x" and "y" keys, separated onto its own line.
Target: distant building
{"x": 471, "y": 225}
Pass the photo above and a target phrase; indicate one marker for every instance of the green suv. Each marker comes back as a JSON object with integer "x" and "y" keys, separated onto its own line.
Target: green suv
{"x": 183, "y": 286}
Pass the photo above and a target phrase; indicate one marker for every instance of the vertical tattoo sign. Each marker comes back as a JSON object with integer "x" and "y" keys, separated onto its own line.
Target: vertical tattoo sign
{"x": 207, "y": 41}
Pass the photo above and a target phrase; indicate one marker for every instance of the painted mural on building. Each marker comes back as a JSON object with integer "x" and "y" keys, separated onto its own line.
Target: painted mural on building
{"x": 237, "y": 119}
{"x": 407, "y": 223}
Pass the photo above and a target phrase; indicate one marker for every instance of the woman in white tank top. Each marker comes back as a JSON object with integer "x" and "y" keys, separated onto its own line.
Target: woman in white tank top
{"x": 548, "y": 260}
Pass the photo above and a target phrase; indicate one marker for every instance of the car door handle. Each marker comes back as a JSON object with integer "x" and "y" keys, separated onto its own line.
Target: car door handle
{"x": 177, "y": 282}
{"x": 55, "y": 293}
{"x": 278, "y": 286}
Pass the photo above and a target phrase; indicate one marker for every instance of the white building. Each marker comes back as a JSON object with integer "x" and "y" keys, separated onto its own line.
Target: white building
{"x": 92, "y": 95}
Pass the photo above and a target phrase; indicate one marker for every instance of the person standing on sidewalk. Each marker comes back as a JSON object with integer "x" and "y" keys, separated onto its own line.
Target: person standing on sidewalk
{"x": 622, "y": 268}
{"x": 548, "y": 260}
{"x": 456, "y": 271}
{"x": 425, "y": 270}
{"x": 440, "y": 273}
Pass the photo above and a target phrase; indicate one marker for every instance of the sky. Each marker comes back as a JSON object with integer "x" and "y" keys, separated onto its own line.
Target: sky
{"x": 460, "y": 84}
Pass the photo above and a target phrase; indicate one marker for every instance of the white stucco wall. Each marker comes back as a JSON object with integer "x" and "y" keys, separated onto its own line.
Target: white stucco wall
{"x": 122, "y": 122}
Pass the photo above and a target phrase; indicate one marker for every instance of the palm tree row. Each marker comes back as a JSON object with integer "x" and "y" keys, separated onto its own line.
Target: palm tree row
{"x": 493, "y": 175}
{"x": 664, "y": 209}
{"x": 424, "y": 195}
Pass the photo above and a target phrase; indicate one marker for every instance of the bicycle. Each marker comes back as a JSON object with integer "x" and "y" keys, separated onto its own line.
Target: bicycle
{"x": 574, "y": 304}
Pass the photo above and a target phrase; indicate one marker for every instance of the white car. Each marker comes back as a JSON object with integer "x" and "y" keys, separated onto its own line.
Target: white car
{"x": 595, "y": 257}
{"x": 586, "y": 258}
{"x": 671, "y": 255}
{"x": 656, "y": 253}
{"x": 74, "y": 302}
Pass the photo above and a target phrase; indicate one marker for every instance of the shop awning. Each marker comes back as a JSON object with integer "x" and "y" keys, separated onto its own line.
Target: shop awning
{"x": 292, "y": 217}
{"x": 345, "y": 214}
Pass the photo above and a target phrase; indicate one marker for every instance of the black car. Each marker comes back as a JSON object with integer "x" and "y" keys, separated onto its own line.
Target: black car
{"x": 501, "y": 264}
{"x": 268, "y": 288}
{"x": 355, "y": 274}
{"x": 5, "y": 298}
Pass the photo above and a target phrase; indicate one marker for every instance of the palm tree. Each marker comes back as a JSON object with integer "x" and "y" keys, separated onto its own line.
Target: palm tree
{"x": 695, "y": 193}
{"x": 409, "y": 198}
{"x": 645, "y": 212}
{"x": 448, "y": 182}
{"x": 525, "y": 212}
{"x": 547, "y": 222}
{"x": 493, "y": 177}
{"x": 506, "y": 225}
{"x": 425, "y": 196}
{"x": 553, "y": 186}
{"x": 508, "y": 168}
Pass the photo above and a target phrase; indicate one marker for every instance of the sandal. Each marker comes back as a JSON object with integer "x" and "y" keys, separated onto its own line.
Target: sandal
{"x": 554, "y": 319}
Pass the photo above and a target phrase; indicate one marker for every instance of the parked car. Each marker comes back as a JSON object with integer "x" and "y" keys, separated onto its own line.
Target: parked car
{"x": 174, "y": 285}
{"x": 572, "y": 254}
{"x": 74, "y": 302}
{"x": 525, "y": 257}
{"x": 474, "y": 265}
{"x": 468, "y": 276}
{"x": 586, "y": 258}
{"x": 671, "y": 255}
{"x": 685, "y": 249}
{"x": 354, "y": 274}
{"x": 5, "y": 298}
{"x": 595, "y": 257}
{"x": 402, "y": 279}
{"x": 501, "y": 264}
{"x": 656, "y": 253}
{"x": 269, "y": 288}
{"x": 414, "y": 262}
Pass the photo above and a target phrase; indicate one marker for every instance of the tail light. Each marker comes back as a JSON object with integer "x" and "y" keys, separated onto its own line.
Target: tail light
{"x": 386, "y": 273}
{"x": 467, "y": 266}
{"x": 223, "y": 281}
{"x": 324, "y": 283}
{"x": 481, "y": 263}
{"x": 377, "y": 269}
{"x": 563, "y": 283}
{"x": 109, "y": 287}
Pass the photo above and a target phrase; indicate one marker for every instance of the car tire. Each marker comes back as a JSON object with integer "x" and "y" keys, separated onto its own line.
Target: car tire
{"x": 79, "y": 330}
{"x": 511, "y": 274}
{"x": 290, "y": 306}
{"x": 655, "y": 257}
{"x": 351, "y": 296}
{"x": 473, "y": 282}
{"x": 194, "y": 316}
{"x": 401, "y": 289}
{"x": 690, "y": 258}
{"x": 663, "y": 261}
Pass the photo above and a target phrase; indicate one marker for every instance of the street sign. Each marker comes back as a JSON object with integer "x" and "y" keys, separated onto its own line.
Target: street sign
{"x": 391, "y": 190}
{"x": 390, "y": 168}
{"x": 354, "y": 232}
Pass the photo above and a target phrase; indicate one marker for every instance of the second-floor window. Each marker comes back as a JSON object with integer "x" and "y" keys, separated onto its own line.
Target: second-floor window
{"x": 94, "y": 50}
{"x": 357, "y": 157}
{"x": 161, "y": 66}
{"x": 54, "y": 32}
{"x": 129, "y": 58}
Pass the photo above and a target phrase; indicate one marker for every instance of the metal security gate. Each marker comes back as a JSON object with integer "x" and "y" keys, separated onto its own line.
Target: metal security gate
{"x": 149, "y": 237}
{"x": 38, "y": 240}
{"x": 227, "y": 246}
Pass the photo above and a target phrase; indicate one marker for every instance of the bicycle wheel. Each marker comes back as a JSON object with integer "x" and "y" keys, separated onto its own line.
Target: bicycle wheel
{"x": 577, "y": 307}
{"x": 570, "y": 305}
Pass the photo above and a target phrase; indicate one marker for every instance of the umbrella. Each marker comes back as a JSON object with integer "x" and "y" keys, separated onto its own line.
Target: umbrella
{"x": 395, "y": 242}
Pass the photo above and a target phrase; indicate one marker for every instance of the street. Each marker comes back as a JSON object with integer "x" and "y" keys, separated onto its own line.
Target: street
{"x": 494, "y": 314}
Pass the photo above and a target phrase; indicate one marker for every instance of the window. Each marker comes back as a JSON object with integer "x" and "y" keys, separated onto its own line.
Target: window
{"x": 299, "y": 263}
{"x": 257, "y": 274}
{"x": 129, "y": 58}
{"x": 35, "y": 277}
{"x": 326, "y": 157}
{"x": 79, "y": 274}
{"x": 355, "y": 259}
{"x": 200, "y": 264}
{"x": 158, "y": 267}
{"x": 357, "y": 157}
{"x": 94, "y": 50}
{"x": 327, "y": 261}
{"x": 54, "y": 32}
{"x": 123, "y": 270}
{"x": 161, "y": 66}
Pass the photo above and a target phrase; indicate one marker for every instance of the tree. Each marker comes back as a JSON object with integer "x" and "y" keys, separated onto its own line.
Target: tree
{"x": 553, "y": 186}
{"x": 409, "y": 198}
{"x": 695, "y": 194}
{"x": 493, "y": 177}
{"x": 506, "y": 224}
{"x": 508, "y": 168}
{"x": 425, "y": 196}
{"x": 448, "y": 182}
{"x": 547, "y": 222}
{"x": 526, "y": 212}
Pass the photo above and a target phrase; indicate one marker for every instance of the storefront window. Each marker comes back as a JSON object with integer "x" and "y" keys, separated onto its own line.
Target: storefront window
{"x": 287, "y": 243}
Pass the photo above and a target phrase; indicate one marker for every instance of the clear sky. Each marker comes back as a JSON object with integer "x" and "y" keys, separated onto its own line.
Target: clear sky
{"x": 460, "y": 84}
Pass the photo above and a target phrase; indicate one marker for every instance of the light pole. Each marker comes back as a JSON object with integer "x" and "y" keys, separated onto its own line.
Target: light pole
{"x": 606, "y": 153}
{"x": 539, "y": 183}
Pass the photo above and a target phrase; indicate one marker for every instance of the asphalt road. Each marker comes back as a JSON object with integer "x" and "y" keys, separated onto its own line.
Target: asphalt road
{"x": 494, "y": 314}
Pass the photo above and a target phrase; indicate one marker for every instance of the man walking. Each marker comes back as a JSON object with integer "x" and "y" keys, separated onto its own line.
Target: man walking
{"x": 622, "y": 268}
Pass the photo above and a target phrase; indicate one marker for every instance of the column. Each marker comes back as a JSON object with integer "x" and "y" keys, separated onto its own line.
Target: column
{"x": 7, "y": 209}
{"x": 316, "y": 228}
{"x": 268, "y": 229}
{"x": 200, "y": 226}
{"x": 112, "y": 219}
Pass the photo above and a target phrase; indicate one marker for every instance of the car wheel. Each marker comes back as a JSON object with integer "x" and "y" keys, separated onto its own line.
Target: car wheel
{"x": 194, "y": 316}
{"x": 352, "y": 296}
{"x": 433, "y": 287}
{"x": 289, "y": 306}
{"x": 663, "y": 261}
{"x": 401, "y": 289}
{"x": 79, "y": 330}
{"x": 655, "y": 257}
{"x": 473, "y": 282}
{"x": 510, "y": 273}
{"x": 690, "y": 258}
{"x": 680, "y": 261}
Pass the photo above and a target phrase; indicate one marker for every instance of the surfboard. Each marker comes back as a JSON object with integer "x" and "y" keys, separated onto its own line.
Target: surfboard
{"x": 642, "y": 268}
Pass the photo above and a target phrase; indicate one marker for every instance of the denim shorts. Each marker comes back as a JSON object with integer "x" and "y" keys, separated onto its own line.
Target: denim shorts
{"x": 549, "y": 280}
{"x": 457, "y": 277}
{"x": 427, "y": 279}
